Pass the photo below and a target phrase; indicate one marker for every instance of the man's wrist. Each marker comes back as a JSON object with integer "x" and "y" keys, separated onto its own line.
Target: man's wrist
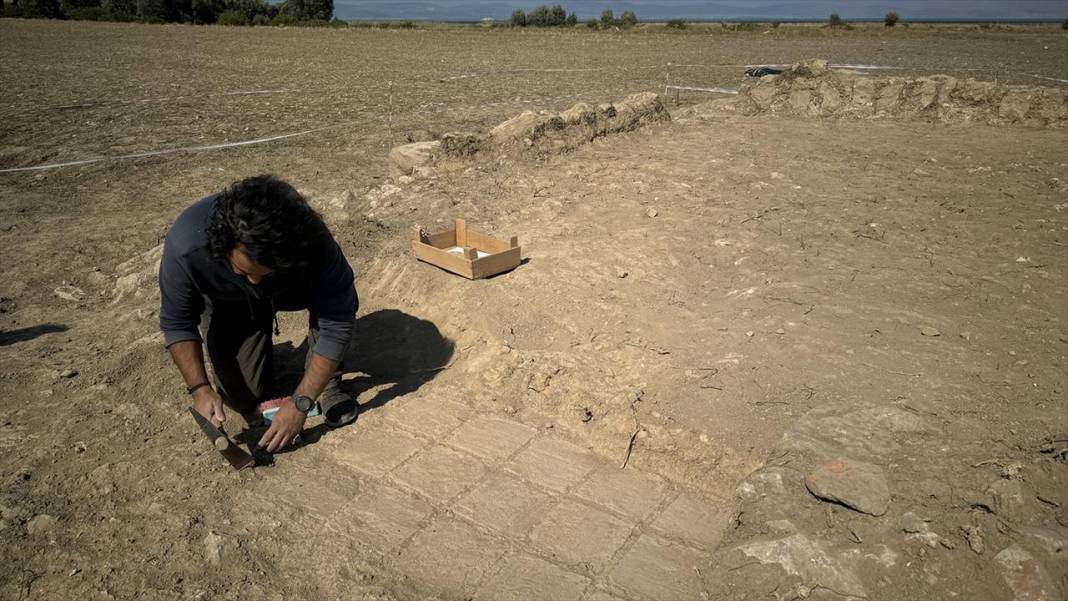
{"x": 302, "y": 403}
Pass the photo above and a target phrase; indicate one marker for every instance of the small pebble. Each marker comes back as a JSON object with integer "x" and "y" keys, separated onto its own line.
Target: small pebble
{"x": 749, "y": 334}
{"x": 68, "y": 373}
{"x": 621, "y": 273}
{"x": 651, "y": 212}
{"x": 780, "y": 331}
{"x": 929, "y": 331}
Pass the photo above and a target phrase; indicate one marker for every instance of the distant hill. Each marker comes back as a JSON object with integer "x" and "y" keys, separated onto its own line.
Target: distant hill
{"x": 711, "y": 10}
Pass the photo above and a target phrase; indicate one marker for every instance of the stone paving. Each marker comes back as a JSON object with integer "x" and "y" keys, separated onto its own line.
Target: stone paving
{"x": 466, "y": 505}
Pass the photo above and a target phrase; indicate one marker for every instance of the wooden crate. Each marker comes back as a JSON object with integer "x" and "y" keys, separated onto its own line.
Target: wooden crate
{"x": 467, "y": 252}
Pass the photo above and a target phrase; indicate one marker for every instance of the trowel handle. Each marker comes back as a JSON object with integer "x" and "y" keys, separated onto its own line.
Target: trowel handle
{"x": 215, "y": 435}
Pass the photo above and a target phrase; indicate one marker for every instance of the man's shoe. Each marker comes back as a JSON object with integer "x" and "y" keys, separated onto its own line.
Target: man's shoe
{"x": 338, "y": 407}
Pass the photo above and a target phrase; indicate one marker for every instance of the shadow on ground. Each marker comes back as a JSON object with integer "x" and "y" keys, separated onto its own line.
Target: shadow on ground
{"x": 390, "y": 348}
{"x": 23, "y": 334}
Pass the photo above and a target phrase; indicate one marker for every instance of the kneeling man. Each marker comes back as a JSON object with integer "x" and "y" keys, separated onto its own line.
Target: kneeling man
{"x": 232, "y": 261}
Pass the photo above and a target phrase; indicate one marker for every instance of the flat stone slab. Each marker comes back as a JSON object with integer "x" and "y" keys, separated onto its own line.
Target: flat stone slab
{"x": 629, "y": 492}
{"x": 490, "y": 437}
{"x": 427, "y": 417}
{"x": 693, "y": 520}
{"x": 657, "y": 569}
{"x": 858, "y": 485}
{"x": 377, "y": 451}
{"x": 440, "y": 473}
{"x": 381, "y": 517}
{"x": 580, "y": 535}
{"x": 451, "y": 557}
{"x": 553, "y": 463}
{"x": 505, "y": 503}
{"x": 524, "y": 578}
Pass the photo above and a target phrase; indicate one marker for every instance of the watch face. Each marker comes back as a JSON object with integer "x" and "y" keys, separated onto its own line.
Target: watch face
{"x": 302, "y": 403}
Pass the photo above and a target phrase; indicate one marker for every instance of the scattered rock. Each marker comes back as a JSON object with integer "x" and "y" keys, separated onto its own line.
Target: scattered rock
{"x": 404, "y": 180}
{"x": 1027, "y": 578}
{"x": 216, "y": 547}
{"x": 68, "y": 292}
{"x": 68, "y": 373}
{"x": 651, "y": 212}
{"x": 855, "y": 484}
{"x": 929, "y": 331}
{"x": 407, "y": 157}
{"x": 917, "y": 529}
{"x": 80, "y": 447}
{"x": 41, "y": 525}
{"x": 1007, "y": 496}
{"x": 974, "y": 535}
{"x": 808, "y": 560}
{"x": 1052, "y": 539}
{"x": 780, "y": 331}
{"x": 621, "y": 273}
{"x": 586, "y": 415}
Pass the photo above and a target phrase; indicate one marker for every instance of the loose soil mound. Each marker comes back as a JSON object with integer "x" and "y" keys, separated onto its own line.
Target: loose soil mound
{"x": 812, "y": 89}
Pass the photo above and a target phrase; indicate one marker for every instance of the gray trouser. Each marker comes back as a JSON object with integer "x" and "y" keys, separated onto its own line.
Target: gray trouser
{"x": 241, "y": 351}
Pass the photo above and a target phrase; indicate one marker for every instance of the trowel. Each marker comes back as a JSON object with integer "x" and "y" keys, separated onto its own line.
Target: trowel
{"x": 237, "y": 456}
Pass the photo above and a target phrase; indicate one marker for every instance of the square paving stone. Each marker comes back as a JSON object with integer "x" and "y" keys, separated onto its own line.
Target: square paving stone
{"x": 440, "y": 473}
{"x": 427, "y": 417}
{"x": 506, "y": 504}
{"x": 377, "y": 451}
{"x": 382, "y": 517}
{"x": 450, "y": 557}
{"x": 321, "y": 489}
{"x": 657, "y": 569}
{"x": 490, "y": 437}
{"x": 690, "y": 519}
{"x": 553, "y": 463}
{"x": 577, "y": 534}
{"x": 627, "y": 491}
{"x": 526, "y": 578}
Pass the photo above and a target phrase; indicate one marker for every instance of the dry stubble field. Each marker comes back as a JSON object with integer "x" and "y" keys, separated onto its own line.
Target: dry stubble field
{"x": 793, "y": 266}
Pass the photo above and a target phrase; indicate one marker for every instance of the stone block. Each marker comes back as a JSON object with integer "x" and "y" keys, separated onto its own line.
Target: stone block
{"x": 377, "y": 451}
{"x": 440, "y": 473}
{"x": 523, "y": 578}
{"x": 657, "y": 569}
{"x": 694, "y": 521}
{"x": 553, "y": 463}
{"x": 450, "y": 558}
{"x": 382, "y": 517}
{"x": 506, "y": 504}
{"x": 426, "y": 417}
{"x": 490, "y": 437}
{"x": 321, "y": 490}
{"x": 629, "y": 492}
{"x": 580, "y": 535}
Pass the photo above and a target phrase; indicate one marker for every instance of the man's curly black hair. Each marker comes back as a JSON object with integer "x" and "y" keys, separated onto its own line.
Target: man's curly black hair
{"x": 272, "y": 223}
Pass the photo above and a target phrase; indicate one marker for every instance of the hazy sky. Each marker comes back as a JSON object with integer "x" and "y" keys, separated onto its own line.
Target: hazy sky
{"x": 473, "y": 10}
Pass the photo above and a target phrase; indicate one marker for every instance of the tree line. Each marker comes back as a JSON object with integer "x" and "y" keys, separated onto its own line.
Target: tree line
{"x": 225, "y": 12}
{"x": 556, "y": 16}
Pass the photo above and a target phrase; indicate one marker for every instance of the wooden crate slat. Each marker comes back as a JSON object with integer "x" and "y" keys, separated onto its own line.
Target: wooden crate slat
{"x": 496, "y": 263}
{"x": 443, "y": 259}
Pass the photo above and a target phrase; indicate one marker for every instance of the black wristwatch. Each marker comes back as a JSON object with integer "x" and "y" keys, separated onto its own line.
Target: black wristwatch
{"x": 302, "y": 403}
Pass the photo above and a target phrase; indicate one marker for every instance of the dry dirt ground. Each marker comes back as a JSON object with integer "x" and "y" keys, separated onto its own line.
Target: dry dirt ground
{"x": 755, "y": 297}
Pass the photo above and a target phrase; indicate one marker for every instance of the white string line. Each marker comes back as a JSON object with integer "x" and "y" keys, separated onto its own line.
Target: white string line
{"x": 712, "y": 90}
{"x": 92, "y": 103}
{"x": 1050, "y": 78}
{"x": 166, "y": 151}
{"x": 153, "y": 153}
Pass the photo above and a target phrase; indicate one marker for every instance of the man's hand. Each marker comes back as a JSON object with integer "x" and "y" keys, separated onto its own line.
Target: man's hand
{"x": 285, "y": 424}
{"x": 208, "y": 403}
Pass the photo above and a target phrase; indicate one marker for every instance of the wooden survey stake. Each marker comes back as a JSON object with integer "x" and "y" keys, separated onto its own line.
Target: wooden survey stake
{"x": 467, "y": 252}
